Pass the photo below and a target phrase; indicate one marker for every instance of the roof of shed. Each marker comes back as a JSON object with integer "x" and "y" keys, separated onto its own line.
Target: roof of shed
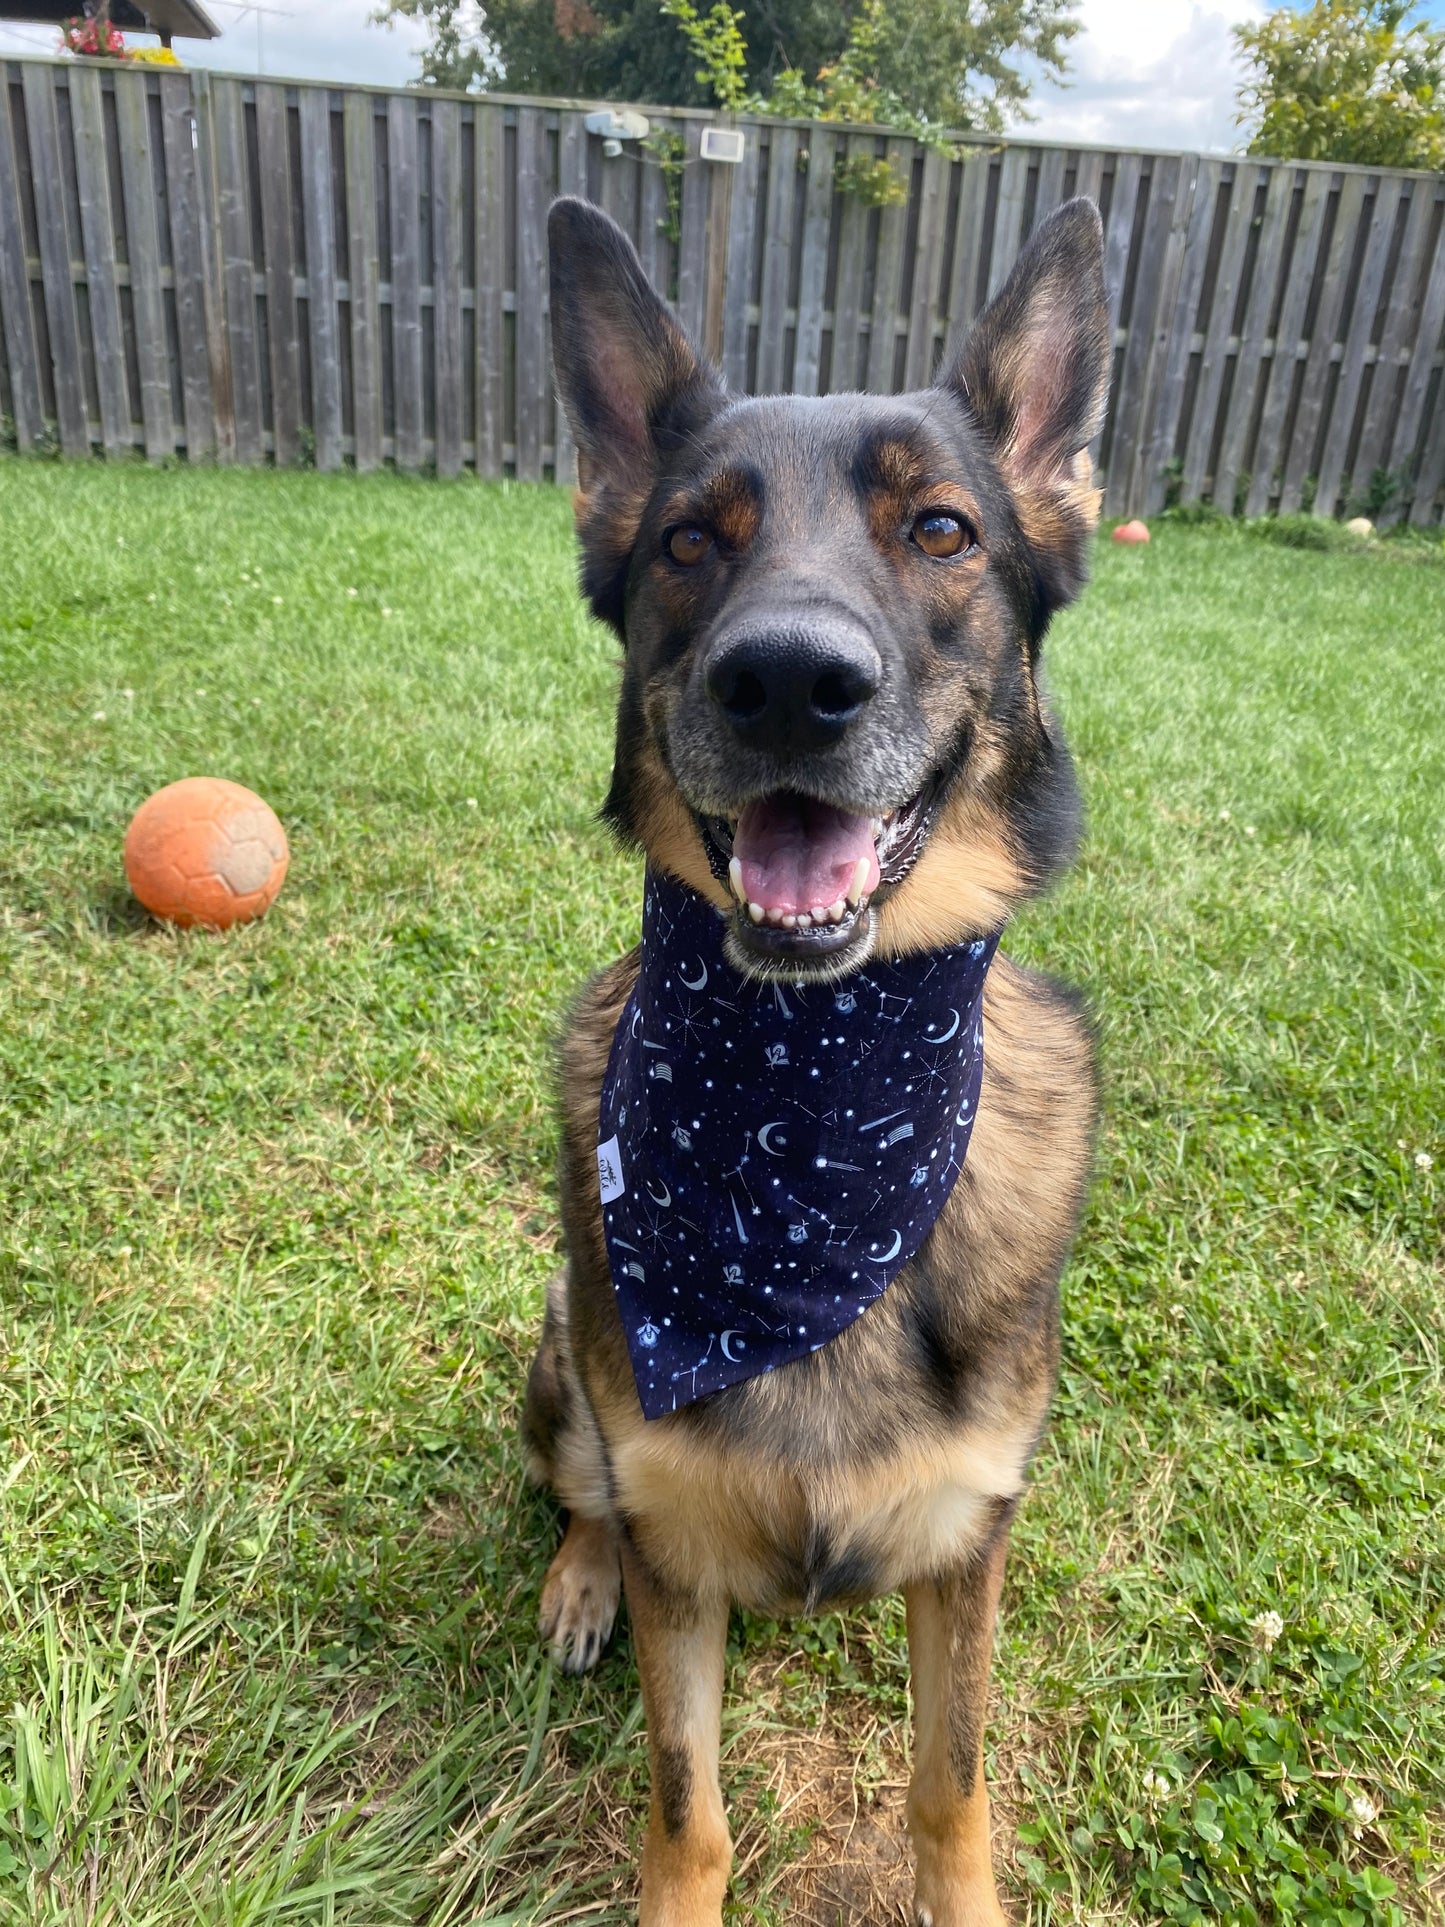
{"x": 182, "y": 18}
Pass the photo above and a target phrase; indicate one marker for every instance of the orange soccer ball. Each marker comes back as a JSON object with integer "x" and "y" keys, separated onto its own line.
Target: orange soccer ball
{"x": 1132, "y": 532}
{"x": 206, "y": 851}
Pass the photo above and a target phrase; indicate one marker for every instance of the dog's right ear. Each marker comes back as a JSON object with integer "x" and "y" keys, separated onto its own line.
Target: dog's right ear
{"x": 628, "y": 376}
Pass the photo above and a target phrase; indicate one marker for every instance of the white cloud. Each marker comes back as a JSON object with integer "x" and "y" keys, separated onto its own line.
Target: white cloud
{"x": 1158, "y": 74}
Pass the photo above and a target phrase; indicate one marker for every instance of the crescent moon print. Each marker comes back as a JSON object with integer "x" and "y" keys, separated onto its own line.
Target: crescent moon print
{"x": 781, "y": 1178}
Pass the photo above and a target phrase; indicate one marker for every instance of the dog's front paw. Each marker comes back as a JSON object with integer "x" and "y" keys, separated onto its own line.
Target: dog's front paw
{"x": 580, "y": 1595}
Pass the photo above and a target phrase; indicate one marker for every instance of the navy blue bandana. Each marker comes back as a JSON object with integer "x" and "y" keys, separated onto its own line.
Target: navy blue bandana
{"x": 771, "y": 1155}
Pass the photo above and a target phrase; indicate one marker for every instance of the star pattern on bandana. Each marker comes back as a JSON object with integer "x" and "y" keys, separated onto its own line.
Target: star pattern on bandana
{"x": 771, "y": 1154}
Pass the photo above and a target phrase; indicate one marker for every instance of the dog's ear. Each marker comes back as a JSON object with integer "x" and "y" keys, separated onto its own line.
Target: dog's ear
{"x": 627, "y": 375}
{"x": 1034, "y": 374}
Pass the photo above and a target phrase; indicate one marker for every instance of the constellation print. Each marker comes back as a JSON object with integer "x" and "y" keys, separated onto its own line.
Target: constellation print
{"x": 777, "y": 1151}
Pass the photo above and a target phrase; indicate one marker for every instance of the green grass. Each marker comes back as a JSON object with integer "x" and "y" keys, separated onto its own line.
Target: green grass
{"x": 276, "y": 1213}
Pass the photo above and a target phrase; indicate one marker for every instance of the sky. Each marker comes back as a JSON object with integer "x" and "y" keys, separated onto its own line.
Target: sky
{"x": 1145, "y": 73}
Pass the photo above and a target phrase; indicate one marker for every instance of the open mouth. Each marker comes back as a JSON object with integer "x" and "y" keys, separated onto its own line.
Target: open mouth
{"x": 805, "y": 874}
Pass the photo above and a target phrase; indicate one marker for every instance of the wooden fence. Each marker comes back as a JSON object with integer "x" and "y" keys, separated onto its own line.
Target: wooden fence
{"x": 239, "y": 271}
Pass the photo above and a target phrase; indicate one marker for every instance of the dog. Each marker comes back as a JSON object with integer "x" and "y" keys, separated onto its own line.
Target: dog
{"x": 831, "y": 612}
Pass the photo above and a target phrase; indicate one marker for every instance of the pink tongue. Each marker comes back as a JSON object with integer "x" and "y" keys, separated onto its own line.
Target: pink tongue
{"x": 797, "y": 855}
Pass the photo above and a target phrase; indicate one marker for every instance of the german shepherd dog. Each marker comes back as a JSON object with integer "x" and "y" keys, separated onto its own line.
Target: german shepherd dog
{"x": 831, "y": 610}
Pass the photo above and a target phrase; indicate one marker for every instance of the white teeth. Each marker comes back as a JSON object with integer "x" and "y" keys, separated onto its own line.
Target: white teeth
{"x": 775, "y": 916}
{"x": 837, "y": 911}
{"x": 860, "y": 878}
{"x": 805, "y": 922}
{"x": 735, "y": 878}
{"x": 790, "y": 922}
{"x": 756, "y": 912}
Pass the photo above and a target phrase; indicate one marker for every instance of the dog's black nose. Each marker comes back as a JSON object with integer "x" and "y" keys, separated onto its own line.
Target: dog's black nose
{"x": 793, "y": 688}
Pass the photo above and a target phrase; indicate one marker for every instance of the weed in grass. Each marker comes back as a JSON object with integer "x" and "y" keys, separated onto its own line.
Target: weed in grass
{"x": 276, "y": 1214}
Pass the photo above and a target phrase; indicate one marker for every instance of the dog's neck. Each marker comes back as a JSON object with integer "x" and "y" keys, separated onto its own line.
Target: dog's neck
{"x": 771, "y": 1154}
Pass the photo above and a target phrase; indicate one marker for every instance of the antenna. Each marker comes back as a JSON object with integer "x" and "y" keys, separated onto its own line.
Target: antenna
{"x": 243, "y": 7}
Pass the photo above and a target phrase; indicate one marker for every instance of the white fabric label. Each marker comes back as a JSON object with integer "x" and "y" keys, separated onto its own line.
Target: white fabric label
{"x": 609, "y": 1170}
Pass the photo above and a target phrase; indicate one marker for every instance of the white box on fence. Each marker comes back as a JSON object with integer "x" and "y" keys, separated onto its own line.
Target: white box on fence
{"x": 722, "y": 144}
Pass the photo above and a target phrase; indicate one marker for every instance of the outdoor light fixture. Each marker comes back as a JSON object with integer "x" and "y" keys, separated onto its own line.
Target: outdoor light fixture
{"x": 722, "y": 144}
{"x": 616, "y": 125}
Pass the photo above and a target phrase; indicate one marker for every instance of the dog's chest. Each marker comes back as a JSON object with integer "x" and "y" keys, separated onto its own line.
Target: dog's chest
{"x": 782, "y": 1536}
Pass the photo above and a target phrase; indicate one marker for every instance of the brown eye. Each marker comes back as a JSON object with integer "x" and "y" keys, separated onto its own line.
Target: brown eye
{"x": 688, "y": 545}
{"x": 940, "y": 533}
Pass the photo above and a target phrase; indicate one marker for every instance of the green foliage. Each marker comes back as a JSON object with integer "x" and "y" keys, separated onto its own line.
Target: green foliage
{"x": 848, "y": 91}
{"x": 716, "y": 40}
{"x": 1346, "y": 80}
{"x": 971, "y": 67}
{"x": 668, "y": 151}
{"x": 1380, "y": 493}
{"x": 967, "y": 64}
{"x": 277, "y": 1211}
{"x": 461, "y": 49}
{"x": 871, "y": 179}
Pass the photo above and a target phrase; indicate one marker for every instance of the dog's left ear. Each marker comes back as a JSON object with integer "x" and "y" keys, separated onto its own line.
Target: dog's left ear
{"x": 626, "y": 372}
{"x": 1035, "y": 370}
{"x": 629, "y": 379}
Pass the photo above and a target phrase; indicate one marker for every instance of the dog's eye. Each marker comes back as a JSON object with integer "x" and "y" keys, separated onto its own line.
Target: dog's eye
{"x": 688, "y": 545}
{"x": 940, "y": 533}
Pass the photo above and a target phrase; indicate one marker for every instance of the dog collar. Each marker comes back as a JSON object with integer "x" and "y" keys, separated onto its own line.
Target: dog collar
{"x": 772, "y": 1154}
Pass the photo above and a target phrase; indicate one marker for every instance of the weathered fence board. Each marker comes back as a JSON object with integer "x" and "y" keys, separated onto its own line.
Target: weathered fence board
{"x": 97, "y": 221}
{"x": 405, "y": 279}
{"x": 181, "y": 146}
{"x": 143, "y": 249}
{"x": 534, "y": 193}
{"x": 321, "y": 306}
{"x": 364, "y": 281}
{"x": 22, "y": 353}
{"x": 1248, "y": 362}
{"x": 60, "y": 318}
{"x": 237, "y": 272}
{"x": 257, "y": 270}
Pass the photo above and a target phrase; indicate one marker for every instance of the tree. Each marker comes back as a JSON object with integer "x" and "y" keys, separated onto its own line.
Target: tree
{"x": 956, "y": 63}
{"x": 961, "y": 65}
{"x": 1348, "y": 80}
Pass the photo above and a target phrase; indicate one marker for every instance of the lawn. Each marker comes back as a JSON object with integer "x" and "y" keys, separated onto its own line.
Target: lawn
{"x": 276, "y": 1214}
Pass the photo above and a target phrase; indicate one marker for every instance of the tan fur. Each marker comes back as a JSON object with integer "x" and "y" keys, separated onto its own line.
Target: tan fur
{"x": 672, "y": 838}
{"x": 680, "y": 1652}
{"x": 950, "y": 1640}
{"x": 966, "y": 881}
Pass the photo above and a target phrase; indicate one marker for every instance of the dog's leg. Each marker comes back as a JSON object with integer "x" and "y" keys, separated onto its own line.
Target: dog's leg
{"x": 680, "y": 1645}
{"x": 563, "y": 1449}
{"x": 580, "y": 1592}
{"x": 950, "y": 1644}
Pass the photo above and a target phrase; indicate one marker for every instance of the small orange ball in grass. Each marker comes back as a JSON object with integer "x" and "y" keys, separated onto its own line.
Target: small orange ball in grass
{"x": 1130, "y": 532}
{"x": 206, "y": 851}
